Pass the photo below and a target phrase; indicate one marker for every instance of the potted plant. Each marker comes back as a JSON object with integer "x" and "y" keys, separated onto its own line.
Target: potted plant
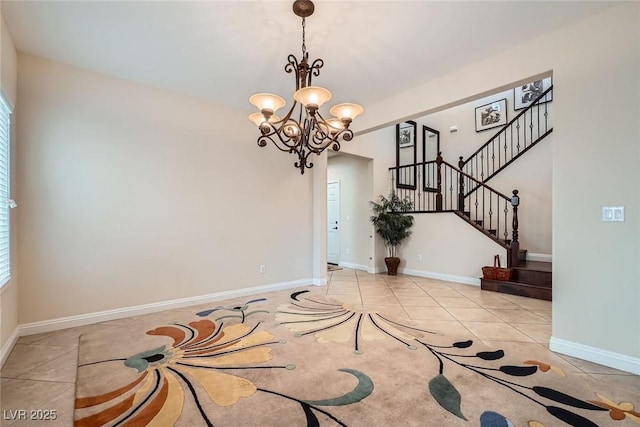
{"x": 392, "y": 225}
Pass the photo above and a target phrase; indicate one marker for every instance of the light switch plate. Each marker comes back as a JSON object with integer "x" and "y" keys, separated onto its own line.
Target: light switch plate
{"x": 613, "y": 214}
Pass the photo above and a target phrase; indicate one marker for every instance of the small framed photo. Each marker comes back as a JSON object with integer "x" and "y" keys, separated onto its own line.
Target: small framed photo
{"x": 406, "y": 133}
{"x": 491, "y": 115}
{"x": 524, "y": 95}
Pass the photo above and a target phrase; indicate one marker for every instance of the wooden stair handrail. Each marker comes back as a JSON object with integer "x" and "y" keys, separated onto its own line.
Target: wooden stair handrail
{"x": 483, "y": 146}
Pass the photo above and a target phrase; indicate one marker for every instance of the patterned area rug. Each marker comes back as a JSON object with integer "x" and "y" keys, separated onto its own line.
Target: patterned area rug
{"x": 299, "y": 359}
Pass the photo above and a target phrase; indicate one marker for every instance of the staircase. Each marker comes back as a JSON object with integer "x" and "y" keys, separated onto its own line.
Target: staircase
{"x": 462, "y": 190}
{"x": 512, "y": 141}
{"x": 529, "y": 279}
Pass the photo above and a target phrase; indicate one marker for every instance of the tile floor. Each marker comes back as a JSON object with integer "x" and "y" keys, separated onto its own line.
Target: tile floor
{"x": 40, "y": 372}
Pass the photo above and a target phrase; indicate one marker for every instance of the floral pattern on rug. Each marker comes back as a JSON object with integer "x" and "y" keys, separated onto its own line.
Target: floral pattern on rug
{"x": 202, "y": 352}
{"x": 341, "y": 323}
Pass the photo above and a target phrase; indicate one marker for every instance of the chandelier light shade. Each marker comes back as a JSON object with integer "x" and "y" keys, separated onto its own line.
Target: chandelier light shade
{"x": 303, "y": 130}
{"x": 258, "y": 118}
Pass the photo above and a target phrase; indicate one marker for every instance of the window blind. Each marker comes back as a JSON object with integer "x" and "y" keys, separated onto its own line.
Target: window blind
{"x": 5, "y": 142}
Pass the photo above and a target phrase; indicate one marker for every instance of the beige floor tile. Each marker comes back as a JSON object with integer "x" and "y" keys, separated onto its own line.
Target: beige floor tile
{"x": 546, "y": 314}
{"x": 63, "y": 407}
{"x": 29, "y": 394}
{"x": 421, "y": 301}
{"x": 493, "y": 331}
{"x": 403, "y": 285}
{"x": 379, "y": 292}
{"x": 343, "y": 282}
{"x": 62, "y": 369}
{"x": 431, "y": 283}
{"x": 592, "y": 368}
{"x": 455, "y": 302}
{"x": 341, "y": 290}
{"x": 410, "y": 292}
{"x": 449, "y": 328}
{"x": 462, "y": 286}
{"x": 444, "y": 292}
{"x": 537, "y": 332}
{"x": 369, "y": 278}
{"x": 429, "y": 313}
{"x": 472, "y": 314}
{"x": 471, "y": 293}
{"x": 397, "y": 279}
{"x": 518, "y": 316}
{"x": 534, "y": 304}
{"x": 24, "y": 358}
{"x": 347, "y": 299}
{"x": 379, "y": 300}
{"x": 630, "y": 380}
{"x": 499, "y": 303}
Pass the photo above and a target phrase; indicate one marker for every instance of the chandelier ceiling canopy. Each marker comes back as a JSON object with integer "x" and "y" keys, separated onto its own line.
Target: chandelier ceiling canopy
{"x": 303, "y": 130}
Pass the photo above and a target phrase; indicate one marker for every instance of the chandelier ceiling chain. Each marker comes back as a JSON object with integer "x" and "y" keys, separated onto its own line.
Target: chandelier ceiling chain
{"x": 310, "y": 133}
{"x": 304, "y": 46}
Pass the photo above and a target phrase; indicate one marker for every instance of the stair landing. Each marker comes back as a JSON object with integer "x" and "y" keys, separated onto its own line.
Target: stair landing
{"x": 531, "y": 279}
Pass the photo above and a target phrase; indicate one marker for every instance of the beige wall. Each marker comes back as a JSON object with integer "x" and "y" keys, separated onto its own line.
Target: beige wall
{"x": 355, "y": 194}
{"x": 9, "y": 292}
{"x": 131, "y": 195}
{"x": 596, "y": 68}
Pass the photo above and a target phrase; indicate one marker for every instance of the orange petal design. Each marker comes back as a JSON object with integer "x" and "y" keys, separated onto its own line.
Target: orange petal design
{"x": 107, "y": 415}
{"x": 616, "y": 414}
{"x": 535, "y": 423}
{"x": 169, "y": 331}
{"x": 223, "y": 389}
{"x": 544, "y": 367}
{"x": 634, "y": 416}
{"x": 205, "y": 329}
{"x": 172, "y": 409}
{"x": 558, "y": 371}
{"x": 152, "y": 408}
{"x": 85, "y": 402}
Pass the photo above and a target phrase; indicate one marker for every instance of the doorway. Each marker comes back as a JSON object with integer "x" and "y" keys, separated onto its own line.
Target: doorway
{"x": 333, "y": 222}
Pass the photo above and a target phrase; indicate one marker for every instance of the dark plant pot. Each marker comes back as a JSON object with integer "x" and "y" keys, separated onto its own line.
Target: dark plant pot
{"x": 392, "y": 265}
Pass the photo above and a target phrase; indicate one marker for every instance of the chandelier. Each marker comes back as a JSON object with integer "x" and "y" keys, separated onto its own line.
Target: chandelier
{"x": 303, "y": 130}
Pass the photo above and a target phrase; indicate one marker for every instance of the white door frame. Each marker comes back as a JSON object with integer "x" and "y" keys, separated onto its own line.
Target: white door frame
{"x": 333, "y": 226}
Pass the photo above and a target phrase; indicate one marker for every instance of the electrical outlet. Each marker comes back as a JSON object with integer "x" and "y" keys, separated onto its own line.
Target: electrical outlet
{"x": 419, "y": 257}
{"x": 263, "y": 269}
{"x": 348, "y": 251}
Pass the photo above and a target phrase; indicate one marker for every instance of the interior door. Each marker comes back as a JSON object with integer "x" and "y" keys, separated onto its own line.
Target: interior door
{"x": 333, "y": 222}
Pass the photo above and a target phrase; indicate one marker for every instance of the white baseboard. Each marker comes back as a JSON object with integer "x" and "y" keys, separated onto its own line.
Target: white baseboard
{"x": 353, "y": 266}
{"x": 440, "y": 276}
{"x": 539, "y": 257}
{"x": 8, "y": 345}
{"x": 319, "y": 282}
{"x": 103, "y": 316}
{"x": 596, "y": 355}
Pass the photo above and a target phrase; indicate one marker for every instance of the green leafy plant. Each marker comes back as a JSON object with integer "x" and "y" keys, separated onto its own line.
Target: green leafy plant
{"x": 390, "y": 220}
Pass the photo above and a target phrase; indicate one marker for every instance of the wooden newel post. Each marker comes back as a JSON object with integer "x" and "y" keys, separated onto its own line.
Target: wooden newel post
{"x": 515, "y": 245}
{"x": 461, "y": 192}
{"x": 439, "y": 182}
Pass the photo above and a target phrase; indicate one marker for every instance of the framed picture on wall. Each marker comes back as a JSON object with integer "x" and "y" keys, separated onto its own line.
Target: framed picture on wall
{"x": 406, "y": 155}
{"x": 406, "y": 133}
{"x": 491, "y": 115}
{"x": 524, "y": 95}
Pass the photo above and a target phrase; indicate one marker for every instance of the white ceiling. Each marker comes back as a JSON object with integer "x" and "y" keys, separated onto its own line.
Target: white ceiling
{"x": 224, "y": 51}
